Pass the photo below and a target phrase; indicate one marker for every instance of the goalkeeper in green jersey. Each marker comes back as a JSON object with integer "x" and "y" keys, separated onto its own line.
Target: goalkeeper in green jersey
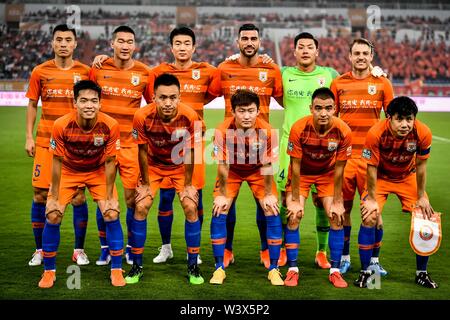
{"x": 299, "y": 82}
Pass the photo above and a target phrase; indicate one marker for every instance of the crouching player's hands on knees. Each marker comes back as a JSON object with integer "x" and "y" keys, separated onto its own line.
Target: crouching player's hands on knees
{"x": 220, "y": 205}
{"x": 368, "y": 207}
{"x": 270, "y": 204}
{"x": 191, "y": 193}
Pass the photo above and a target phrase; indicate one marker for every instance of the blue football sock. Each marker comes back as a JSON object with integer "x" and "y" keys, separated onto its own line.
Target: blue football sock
{"x": 80, "y": 220}
{"x": 129, "y": 221}
{"x": 421, "y": 262}
{"x": 192, "y": 234}
{"x": 262, "y": 226}
{"x": 292, "y": 242}
{"x": 114, "y": 237}
{"x": 231, "y": 222}
{"x": 347, "y": 232}
{"x": 336, "y": 244}
{"x": 377, "y": 245}
{"x": 200, "y": 207}
{"x": 366, "y": 239}
{"x": 274, "y": 239}
{"x": 101, "y": 226}
{"x": 50, "y": 243}
{"x": 218, "y": 238}
{"x": 139, "y": 231}
{"x": 38, "y": 222}
{"x": 165, "y": 214}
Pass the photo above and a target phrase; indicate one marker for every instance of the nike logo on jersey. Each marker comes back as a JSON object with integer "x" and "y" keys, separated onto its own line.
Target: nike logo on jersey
{"x": 291, "y": 80}
{"x": 50, "y": 79}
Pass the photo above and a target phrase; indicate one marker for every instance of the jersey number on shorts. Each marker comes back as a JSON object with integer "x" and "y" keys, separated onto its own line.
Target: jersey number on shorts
{"x": 37, "y": 171}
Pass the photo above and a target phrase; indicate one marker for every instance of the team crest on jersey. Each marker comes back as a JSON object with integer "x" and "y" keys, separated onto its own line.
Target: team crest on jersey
{"x": 195, "y": 74}
{"x": 215, "y": 150}
{"x": 366, "y": 153}
{"x": 411, "y": 146}
{"x": 135, "y": 79}
{"x": 321, "y": 81}
{"x": 332, "y": 145}
{"x": 99, "y": 140}
{"x": 263, "y": 76}
{"x": 372, "y": 89}
{"x": 76, "y": 77}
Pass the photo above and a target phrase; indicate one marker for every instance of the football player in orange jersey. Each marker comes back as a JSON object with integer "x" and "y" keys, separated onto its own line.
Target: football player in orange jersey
{"x": 360, "y": 97}
{"x": 52, "y": 82}
{"x": 194, "y": 78}
{"x": 251, "y": 73}
{"x": 84, "y": 145}
{"x": 400, "y": 136}
{"x": 319, "y": 147}
{"x": 244, "y": 147}
{"x": 123, "y": 81}
{"x": 167, "y": 133}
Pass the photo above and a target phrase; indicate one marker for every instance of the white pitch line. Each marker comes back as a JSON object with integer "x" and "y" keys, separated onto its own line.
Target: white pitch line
{"x": 441, "y": 139}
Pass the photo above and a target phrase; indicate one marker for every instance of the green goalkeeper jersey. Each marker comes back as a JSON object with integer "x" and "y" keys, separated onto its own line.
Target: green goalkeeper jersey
{"x": 298, "y": 87}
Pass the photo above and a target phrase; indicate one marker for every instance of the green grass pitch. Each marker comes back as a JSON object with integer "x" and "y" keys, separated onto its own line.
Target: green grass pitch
{"x": 246, "y": 279}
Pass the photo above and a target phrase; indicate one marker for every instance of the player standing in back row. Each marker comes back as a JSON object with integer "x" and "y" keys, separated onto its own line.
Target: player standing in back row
{"x": 248, "y": 72}
{"x": 53, "y": 81}
{"x": 360, "y": 97}
{"x": 123, "y": 81}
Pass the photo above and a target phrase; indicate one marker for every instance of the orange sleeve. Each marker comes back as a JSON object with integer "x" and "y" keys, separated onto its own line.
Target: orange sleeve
{"x": 215, "y": 87}
{"x": 333, "y": 88}
{"x": 93, "y": 74}
{"x": 278, "y": 88}
{"x": 138, "y": 132}
{"x": 294, "y": 148}
{"x": 34, "y": 87}
{"x": 57, "y": 139}
{"x": 344, "y": 151}
{"x": 388, "y": 94}
{"x": 113, "y": 144}
{"x": 371, "y": 151}
{"x": 148, "y": 94}
{"x": 425, "y": 137}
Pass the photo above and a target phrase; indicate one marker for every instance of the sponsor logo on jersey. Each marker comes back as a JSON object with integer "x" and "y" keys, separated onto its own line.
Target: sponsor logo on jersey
{"x": 411, "y": 146}
{"x": 135, "y": 79}
{"x": 332, "y": 145}
{"x": 118, "y": 144}
{"x": 263, "y": 76}
{"x": 372, "y": 89}
{"x": 99, "y": 140}
{"x": 321, "y": 81}
{"x": 196, "y": 74}
{"x": 366, "y": 153}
